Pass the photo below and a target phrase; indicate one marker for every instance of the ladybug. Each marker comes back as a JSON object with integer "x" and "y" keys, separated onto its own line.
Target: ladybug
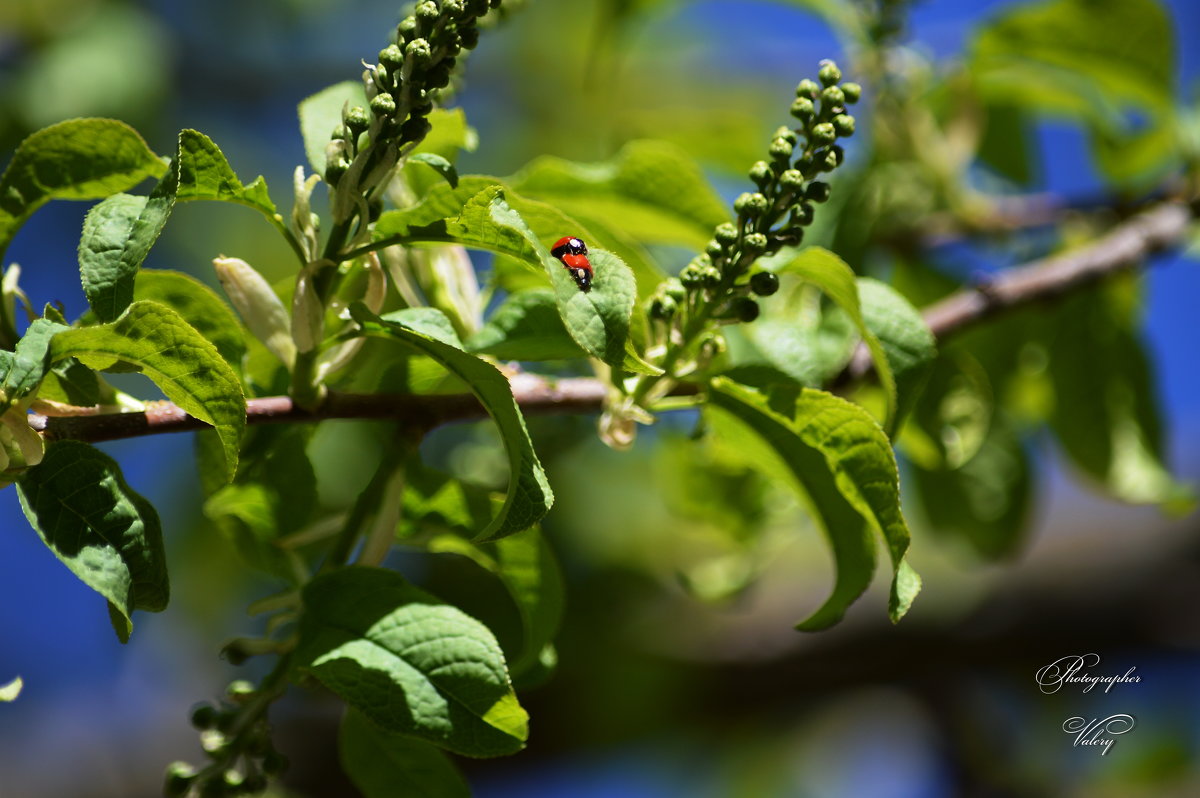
{"x": 573, "y": 254}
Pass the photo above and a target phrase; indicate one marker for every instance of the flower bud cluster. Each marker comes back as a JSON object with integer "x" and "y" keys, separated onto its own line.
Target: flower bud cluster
{"x": 402, "y": 88}
{"x": 237, "y": 739}
{"x": 788, "y": 187}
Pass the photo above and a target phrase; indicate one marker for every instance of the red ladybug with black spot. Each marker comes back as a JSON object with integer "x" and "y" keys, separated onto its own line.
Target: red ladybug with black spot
{"x": 573, "y": 254}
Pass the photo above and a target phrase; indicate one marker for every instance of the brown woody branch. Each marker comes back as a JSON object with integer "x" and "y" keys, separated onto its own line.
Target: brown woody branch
{"x": 1127, "y": 245}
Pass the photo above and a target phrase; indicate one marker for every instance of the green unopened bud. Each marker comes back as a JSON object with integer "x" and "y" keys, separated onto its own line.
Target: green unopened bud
{"x": 792, "y": 179}
{"x": 674, "y": 289}
{"x": 259, "y": 307}
{"x": 414, "y": 129}
{"x": 755, "y": 243}
{"x": 781, "y": 149}
{"x": 663, "y": 307}
{"x": 710, "y": 276}
{"x": 751, "y": 205}
{"x": 802, "y": 108}
{"x": 829, "y": 160}
{"x": 454, "y": 8}
{"x": 764, "y": 283}
{"x": 726, "y": 233}
{"x": 407, "y": 29}
{"x": 356, "y": 119}
{"x": 807, "y": 88}
{"x": 690, "y": 275}
{"x": 178, "y": 780}
{"x": 786, "y": 133}
{"x": 418, "y": 52}
{"x": 383, "y": 105}
{"x": 829, "y": 73}
{"x": 817, "y": 191}
{"x": 761, "y": 173}
{"x": 844, "y": 124}
{"x": 468, "y": 38}
{"x": 714, "y": 249}
{"x": 803, "y": 213}
{"x": 832, "y": 97}
{"x": 744, "y": 309}
{"x": 824, "y": 133}
{"x": 391, "y": 57}
{"x": 204, "y": 716}
{"x": 240, "y": 690}
{"x": 439, "y": 76}
{"x": 426, "y": 13}
{"x": 851, "y": 91}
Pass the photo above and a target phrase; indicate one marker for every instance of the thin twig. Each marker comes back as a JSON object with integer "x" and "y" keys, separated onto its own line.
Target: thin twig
{"x": 1126, "y": 246}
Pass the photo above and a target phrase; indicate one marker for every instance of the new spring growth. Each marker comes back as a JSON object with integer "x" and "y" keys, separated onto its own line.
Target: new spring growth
{"x": 401, "y": 88}
{"x": 716, "y": 282}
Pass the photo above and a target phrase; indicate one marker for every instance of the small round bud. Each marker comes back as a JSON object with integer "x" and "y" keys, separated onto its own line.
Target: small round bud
{"x": 383, "y": 105}
{"x": 829, "y": 73}
{"x": 204, "y": 716}
{"x": 439, "y": 76}
{"x": 333, "y": 173}
{"x": 745, "y": 309}
{"x": 792, "y": 179}
{"x": 851, "y": 91}
{"x": 726, "y": 233}
{"x": 802, "y": 109}
{"x": 784, "y": 132}
{"x": 781, "y": 149}
{"x": 341, "y": 133}
{"x": 844, "y": 124}
{"x": 239, "y": 690}
{"x": 414, "y": 129}
{"x": 427, "y": 12}
{"x": 714, "y": 249}
{"x": 807, "y": 88}
{"x": 710, "y": 276}
{"x": 356, "y": 119}
{"x": 468, "y": 38}
{"x": 803, "y": 213}
{"x": 832, "y": 96}
{"x": 418, "y": 51}
{"x": 817, "y": 191}
{"x": 674, "y": 289}
{"x": 178, "y": 779}
{"x": 233, "y": 779}
{"x": 824, "y": 133}
{"x": 391, "y": 57}
{"x": 761, "y": 173}
{"x": 755, "y": 243}
{"x": 407, "y": 29}
{"x": 663, "y": 307}
{"x": 690, "y": 275}
{"x": 764, "y": 283}
{"x": 751, "y": 205}
{"x": 454, "y": 8}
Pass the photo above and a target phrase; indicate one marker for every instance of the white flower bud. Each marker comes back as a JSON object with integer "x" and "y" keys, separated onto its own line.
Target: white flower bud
{"x": 259, "y": 307}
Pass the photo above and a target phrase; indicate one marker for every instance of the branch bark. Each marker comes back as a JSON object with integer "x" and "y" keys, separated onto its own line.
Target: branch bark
{"x": 1127, "y": 245}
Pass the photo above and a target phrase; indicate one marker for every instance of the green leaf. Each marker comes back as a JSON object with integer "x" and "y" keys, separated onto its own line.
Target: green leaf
{"x": 205, "y": 174}
{"x": 321, "y": 113}
{"x": 10, "y": 691}
{"x": 1006, "y": 145}
{"x": 181, "y": 362}
{"x": 904, "y": 337}
{"x": 985, "y": 502}
{"x": 72, "y": 383}
{"x": 526, "y": 327}
{"x": 108, "y": 535}
{"x": 840, "y": 462}
{"x": 1106, "y": 413}
{"x": 410, "y": 663}
{"x": 529, "y": 496}
{"x": 598, "y": 320}
{"x": 383, "y": 764}
{"x": 29, "y": 363}
{"x": 651, "y": 190}
{"x": 439, "y": 164}
{"x": 77, "y": 159}
{"x": 199, "y": 305}
{"x": 526, "y": 567}
{"x": 952, "y": 417}
{"x": 117, "y": 235}
{"x": 831, "y": 274}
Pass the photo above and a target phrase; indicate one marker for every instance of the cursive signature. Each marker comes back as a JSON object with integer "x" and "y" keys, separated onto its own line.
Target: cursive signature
{"x": 1099, "y": 733}
{"x": 1066, "y": 670}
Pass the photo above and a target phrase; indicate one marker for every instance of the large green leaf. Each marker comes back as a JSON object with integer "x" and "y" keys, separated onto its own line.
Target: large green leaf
{"x": 199, "y": 305}
{"x": 27, "y": 366}
{"x": 385, "y": 764}
{"x": 180, "y": 361}
{"x": 840, "y": 461}
{"x": 77, "y": 159}
{"x": 529, "y": 496}
{"x": 834, "y": 277}
{"x": 598, "y": 320}
{"x": 905, "y": 339}
{"x": 651, "y": 190}
{"x": 1106, "y": 411}
{"x": 205, "y": 174}
{"x": 410, "y": 663}
{"x": 526, "y": 327}
{"x": 107, "y": 534}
